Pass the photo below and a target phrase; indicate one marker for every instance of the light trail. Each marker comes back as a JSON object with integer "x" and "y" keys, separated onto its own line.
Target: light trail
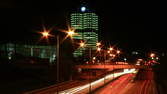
{"x": 97, "y": 83}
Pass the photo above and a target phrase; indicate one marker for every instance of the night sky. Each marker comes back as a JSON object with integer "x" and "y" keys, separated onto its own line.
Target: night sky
{"x": 121, "y": 23}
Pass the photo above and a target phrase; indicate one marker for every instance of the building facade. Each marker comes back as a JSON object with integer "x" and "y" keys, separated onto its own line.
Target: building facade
{"x": 39, "y": 51}
{"x": 85, "y": 24}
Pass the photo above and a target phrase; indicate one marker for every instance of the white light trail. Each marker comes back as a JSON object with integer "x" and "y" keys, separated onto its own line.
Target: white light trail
{"x": 98, "y": 82}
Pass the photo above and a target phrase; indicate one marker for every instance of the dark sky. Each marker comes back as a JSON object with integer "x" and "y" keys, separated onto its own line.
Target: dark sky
{"x": 122, "y": 23}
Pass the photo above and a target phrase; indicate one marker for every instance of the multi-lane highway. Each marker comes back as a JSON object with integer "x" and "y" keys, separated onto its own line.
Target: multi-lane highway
{"x": 116, "y": 86}
{"x": 80, "y": 87}
{"x": 144, "y": 84}
{"x": 90, "y": 87}
{"x": 127, "y": 82}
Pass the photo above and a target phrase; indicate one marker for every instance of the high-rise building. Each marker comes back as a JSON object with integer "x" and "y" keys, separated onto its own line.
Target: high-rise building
{"x": 86, "y": 25}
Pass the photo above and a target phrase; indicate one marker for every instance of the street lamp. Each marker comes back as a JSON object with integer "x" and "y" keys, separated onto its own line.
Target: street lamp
{"x": 111, "y": 49}
{"x": 105, "y": 56}
{"x": 70, "y": 32}
{"x": 98, "y": 49}
{"x": 82, "y": 44}
{"x": 118, "y": 52}
{"x": 98, "y": 44}
{"x": 125, "y": 59}
{"x": 46, "y": 34}
{"x": 152, "y": 55}
{"x": 94, "y": 59}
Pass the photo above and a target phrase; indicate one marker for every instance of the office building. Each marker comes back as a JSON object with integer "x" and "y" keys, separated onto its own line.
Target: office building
{"x": 85, "y": 24}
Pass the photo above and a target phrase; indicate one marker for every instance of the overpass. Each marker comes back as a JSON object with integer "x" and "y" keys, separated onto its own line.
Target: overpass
{"x": 109, "y": 66}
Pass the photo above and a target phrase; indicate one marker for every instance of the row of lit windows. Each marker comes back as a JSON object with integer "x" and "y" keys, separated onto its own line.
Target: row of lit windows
{"x": 79, "y": 27}
{"x": 84, "y": 17}
{"x": 85, "y": 23}
{"x": 84, "y": 20}
{"x": 89, "y": 25}
{"x": 84, "y": 26}
{"x": 86, "y": 35}
{"x": 92, "y": 25}
{"x": 80, "y": 21}
{"x": 73, "y": 14}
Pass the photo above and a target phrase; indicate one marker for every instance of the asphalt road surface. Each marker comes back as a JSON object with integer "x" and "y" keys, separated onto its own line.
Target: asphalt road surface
{"x": 144, "y": 84}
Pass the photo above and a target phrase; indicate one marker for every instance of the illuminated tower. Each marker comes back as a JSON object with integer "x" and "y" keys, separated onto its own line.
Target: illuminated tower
{"x": 86, "y": 25}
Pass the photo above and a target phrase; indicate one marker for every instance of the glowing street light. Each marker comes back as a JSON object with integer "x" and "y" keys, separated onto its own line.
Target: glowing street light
{"x": 111, "y": 49}
{"x": 113, "y": 55}
{"x": 46, "y": 34}
{"x": 98, "y": 44}
{"x": 125, "y": 59}
{"x": 98, "y": 49}
{"x": 157, "y": 58}
{"x": 152, "y": 55}
{"x": 70, "y": 33}
{"x": 94, "y": 58}
{"x": 82, "y": 44}
{"x": 118, "y": 51}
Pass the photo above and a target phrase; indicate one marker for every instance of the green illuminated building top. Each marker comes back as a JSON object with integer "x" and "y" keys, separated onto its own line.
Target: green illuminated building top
{"x": 86, "y": 25}
{"x": 84, "y": 21}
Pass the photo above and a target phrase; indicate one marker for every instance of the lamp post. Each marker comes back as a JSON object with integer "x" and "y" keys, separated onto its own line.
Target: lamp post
{"x": 98, "y": 44}
{"x": 46, "y": 34}
{"x": 152, "y": 55}
{"x": 112, "y": 55}
{"x": 118, "y": 53}
{"x": 90, "y": 60}
{"x": 105, "y": 56}
{"x": 82, "y": 44}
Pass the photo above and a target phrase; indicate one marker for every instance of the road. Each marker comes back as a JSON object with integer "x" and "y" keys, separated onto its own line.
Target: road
{"x": 144, "y": 84}
{"x": 116, "y": 86}
{"x": 80, "y": 87}
{"x": 57, "y": 87}
{"x": 87, "y": 88}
